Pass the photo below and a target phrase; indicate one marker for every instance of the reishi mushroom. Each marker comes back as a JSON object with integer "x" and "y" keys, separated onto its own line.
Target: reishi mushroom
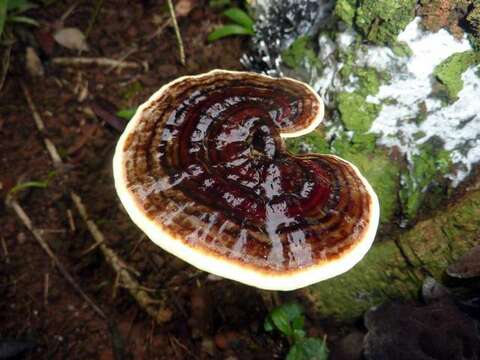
{"x": 202, "y": 169}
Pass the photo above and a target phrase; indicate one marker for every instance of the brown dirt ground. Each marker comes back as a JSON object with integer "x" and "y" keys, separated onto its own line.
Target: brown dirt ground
{"x": 211, "y": 319}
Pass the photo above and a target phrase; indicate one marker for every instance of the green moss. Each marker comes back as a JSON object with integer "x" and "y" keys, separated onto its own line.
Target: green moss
{"x": 345, "y": 10}
{"x": 473, "y": 20}
{"x": 381, "y": 172}
{"x": 299, "y": 52}
{"x": 401, "y": 48}
{"x": 380, "y": 21}
{"x": 364, "y": 142}
{"x": 368, "y": 78}
{"x": 314, "y": 141}
{"x": 428, "y": 166}
{"x": 369, "y": 81}
{"x": 380, "y": 275}
{"x": 450, "y": 71}
{"x": 418, "y": 135}
{"x": 348, "y": 57}
{"x": 433, "y": 244}
{"x": 474, "y": 42}
{"x": 356, "y": 113}
{"x": 422, "y": 114}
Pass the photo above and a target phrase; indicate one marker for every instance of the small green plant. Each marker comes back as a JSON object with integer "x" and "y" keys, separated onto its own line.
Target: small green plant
{"x": 289, "y": 320}
{"x": 126, "y": 114}
{"x": 40, "y": 184}
{"x": 216, "y": 4}
{"x": 11, "y": 12}
{"x": 243, "y": 25}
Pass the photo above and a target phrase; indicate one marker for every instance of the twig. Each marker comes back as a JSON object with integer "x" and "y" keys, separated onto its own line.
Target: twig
{"x": 46, "y": 288}
{"x": 52, "y": 150}
{"x": 71, "y": 222}
{"x": 140, "y": 295}
{"x": 25, "y": 219}
{"x": 162, "y": 314}
{"x": 115, "y": 286}
{"x": 96, "y": 11}
{"x": 5, "y": 65}
{"x": 177, "y": 32}
{"x": 159, "y": 30}
{"x": 52, "y": 231}
{"x": 67, "y": 13}
{"x": 90, "y": 249}
{"x": 140, "y": 240}
{"x": 127, "y": 53}
{"x": 5, "y": 251}
{"x": 75, "y": 61}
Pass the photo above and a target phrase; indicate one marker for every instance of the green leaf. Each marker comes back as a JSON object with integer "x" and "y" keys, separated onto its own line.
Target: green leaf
{"x": 298, "y": 322}
{"x": 308, "y": 349}
{"x": 291, "y": 311}
{"x": 297, "y": 328}
{"x": 268, "y": 325}
{"x": 240, "y": 17}
{"x": 23, "y": 20}
{"x": 281, "y": 321}
{"x": 27, "y": 185}
{"x": 229, "y": 30}
{"x": 19, "y": 6}
{"x": 3, "y": 14}
{"x": 298, "y": 334}
{"x": 218, "y": 3}
{"x": 287, "y": 318}
{"x": 15, "y": 4}
{"x": 126, "y": 114}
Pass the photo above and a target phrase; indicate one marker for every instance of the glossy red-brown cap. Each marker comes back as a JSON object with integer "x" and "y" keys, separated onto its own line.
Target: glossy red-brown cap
{"x": 202, "y": 169}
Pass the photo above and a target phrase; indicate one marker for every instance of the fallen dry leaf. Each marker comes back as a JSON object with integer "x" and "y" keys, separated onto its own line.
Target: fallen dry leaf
{"x": 183, "y": 8}
{"x": 32, "y": 63}
{"x": 106, "y": 112}
{"x": 437, "y": 331}
{"x": 71, "y": 38}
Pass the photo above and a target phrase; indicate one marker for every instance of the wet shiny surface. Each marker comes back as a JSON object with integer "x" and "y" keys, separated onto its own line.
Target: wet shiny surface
{"x": 207, "y": 163}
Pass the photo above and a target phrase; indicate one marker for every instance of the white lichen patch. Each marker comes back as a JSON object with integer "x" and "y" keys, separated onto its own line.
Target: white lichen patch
{"x": 409, "y": 106}
{"x": 408, "y": 98}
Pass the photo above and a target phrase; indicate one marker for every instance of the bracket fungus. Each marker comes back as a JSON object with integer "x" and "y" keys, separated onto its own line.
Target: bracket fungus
{"x": 203, "y": 170}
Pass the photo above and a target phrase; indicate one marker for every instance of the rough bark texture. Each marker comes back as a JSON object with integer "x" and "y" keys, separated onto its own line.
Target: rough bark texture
{"x": 395, "y": 268}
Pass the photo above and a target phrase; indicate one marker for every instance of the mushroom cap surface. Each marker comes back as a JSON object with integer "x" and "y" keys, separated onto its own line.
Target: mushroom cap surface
{"x": 202, "y": 169}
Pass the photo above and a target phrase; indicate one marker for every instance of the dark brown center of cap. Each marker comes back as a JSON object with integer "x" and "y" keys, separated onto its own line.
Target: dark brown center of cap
{"x": 206, "y": 162}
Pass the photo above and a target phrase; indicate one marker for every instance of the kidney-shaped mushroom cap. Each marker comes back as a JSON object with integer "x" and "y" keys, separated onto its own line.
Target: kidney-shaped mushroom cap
{"x": 202, "y": 169}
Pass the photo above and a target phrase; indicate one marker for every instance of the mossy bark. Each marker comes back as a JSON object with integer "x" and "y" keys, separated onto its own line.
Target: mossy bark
{"x": 395, "y": 268}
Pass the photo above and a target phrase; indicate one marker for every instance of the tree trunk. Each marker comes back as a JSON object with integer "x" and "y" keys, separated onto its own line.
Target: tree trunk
{"x": 395, "y": 268}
